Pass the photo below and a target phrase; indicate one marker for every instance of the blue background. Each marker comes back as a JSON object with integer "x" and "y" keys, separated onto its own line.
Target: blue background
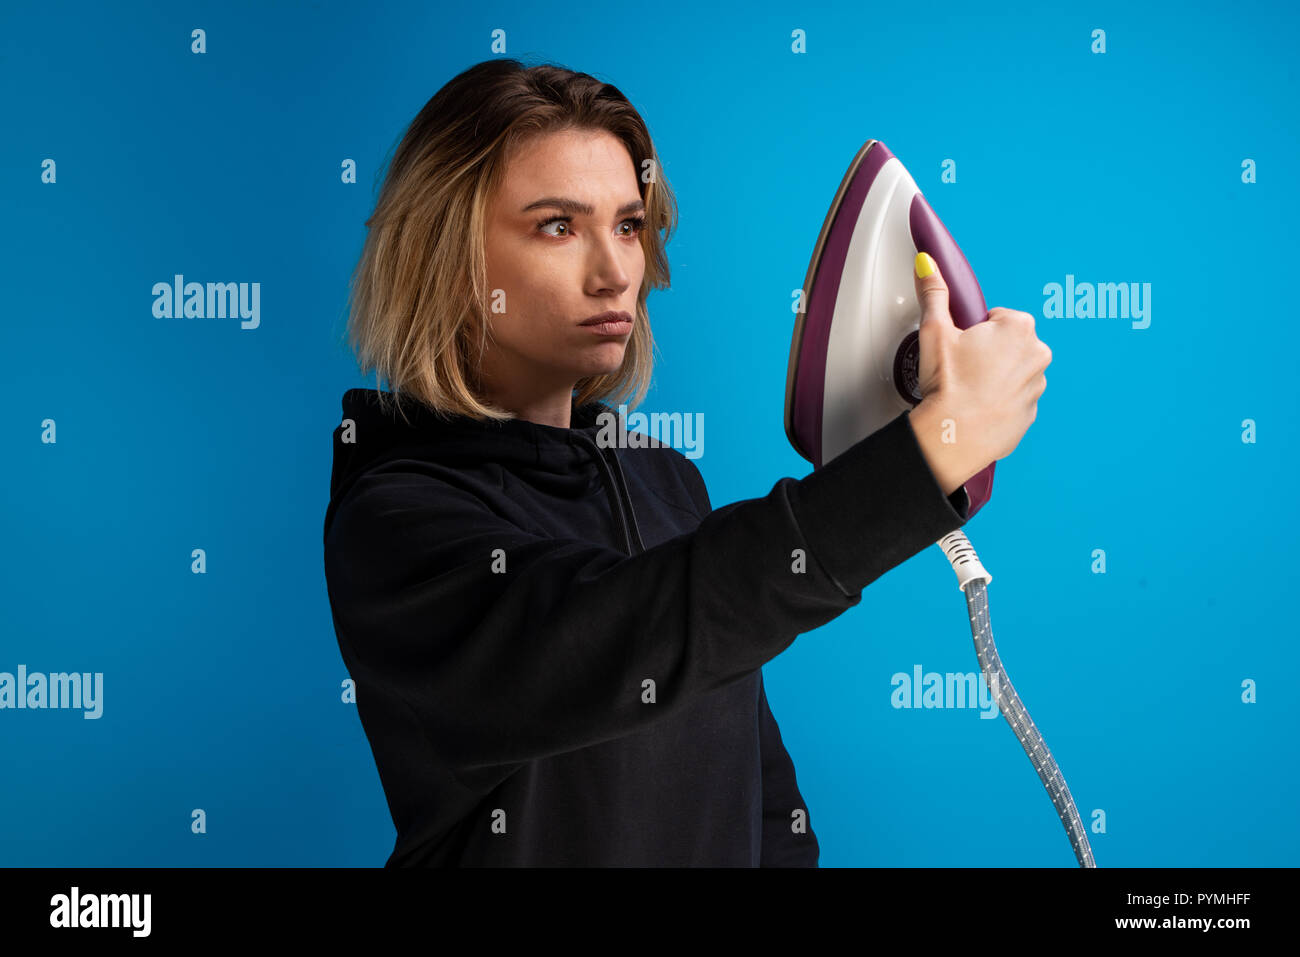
{"x": 222, "y": 690}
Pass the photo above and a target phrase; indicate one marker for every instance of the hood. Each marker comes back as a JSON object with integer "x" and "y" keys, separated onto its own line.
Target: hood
{"x": 555, "y": 458}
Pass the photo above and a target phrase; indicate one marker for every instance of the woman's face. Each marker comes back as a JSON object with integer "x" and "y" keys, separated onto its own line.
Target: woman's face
{"x": 549, "y": 268}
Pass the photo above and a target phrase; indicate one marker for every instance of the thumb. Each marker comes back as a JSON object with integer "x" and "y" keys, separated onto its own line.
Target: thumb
{"x": 931, "y": 290}
{"x": 936, "y": 321}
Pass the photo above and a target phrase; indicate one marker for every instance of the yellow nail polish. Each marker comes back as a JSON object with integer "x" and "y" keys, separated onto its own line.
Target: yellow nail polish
{"x": 924, "y": 265}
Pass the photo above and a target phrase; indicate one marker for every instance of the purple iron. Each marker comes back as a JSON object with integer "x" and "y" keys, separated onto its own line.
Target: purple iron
{"x": 854, "y": 364}
{"x": 855, "y": 354}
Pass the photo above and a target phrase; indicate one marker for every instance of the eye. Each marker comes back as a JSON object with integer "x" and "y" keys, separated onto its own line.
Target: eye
{"x": 637, "y": 223}
{"x": 562, "y": 220}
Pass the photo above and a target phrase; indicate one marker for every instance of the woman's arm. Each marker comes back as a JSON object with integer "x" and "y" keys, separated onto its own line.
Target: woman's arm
{"x": 506, "y": 646}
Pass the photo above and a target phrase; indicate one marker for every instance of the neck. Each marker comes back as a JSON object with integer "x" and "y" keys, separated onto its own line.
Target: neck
{"x": 553, "y": 407}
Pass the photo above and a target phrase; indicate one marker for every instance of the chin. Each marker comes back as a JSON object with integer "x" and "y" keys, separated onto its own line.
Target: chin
{"x": 609, "y": 359}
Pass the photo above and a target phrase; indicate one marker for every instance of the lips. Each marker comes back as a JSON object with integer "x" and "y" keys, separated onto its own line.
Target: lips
{"x": 610, "y": 316}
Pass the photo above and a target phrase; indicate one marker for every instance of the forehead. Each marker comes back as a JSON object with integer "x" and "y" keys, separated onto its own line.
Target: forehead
{"x": 587, "y": 165}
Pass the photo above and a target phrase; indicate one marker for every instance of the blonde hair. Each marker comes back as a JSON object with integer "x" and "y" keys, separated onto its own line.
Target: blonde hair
{"x": 418, "y": 307}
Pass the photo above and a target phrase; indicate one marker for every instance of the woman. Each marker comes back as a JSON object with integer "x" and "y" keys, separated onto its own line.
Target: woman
{"x": 556, "y": 643}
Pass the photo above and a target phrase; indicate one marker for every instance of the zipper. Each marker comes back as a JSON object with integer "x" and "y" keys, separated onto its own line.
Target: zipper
{"x": 627, "y": 500}
{"x": 616, "y": 491}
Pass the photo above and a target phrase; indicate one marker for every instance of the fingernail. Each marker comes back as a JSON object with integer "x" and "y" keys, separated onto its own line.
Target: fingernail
{"x": 924, "y": 265}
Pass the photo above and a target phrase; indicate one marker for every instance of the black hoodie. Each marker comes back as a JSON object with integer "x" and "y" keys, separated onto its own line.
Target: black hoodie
{"x": 557, "y": 643}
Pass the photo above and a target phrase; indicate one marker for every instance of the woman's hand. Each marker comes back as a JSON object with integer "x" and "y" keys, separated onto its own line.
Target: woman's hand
{"x": 979, "y": 386}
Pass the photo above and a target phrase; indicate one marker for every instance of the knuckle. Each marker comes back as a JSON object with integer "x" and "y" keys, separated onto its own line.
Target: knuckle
{"x": 1017, "y": 322}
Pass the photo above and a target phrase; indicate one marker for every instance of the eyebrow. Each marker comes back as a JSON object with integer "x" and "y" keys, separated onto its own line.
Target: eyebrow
{"x": 573, "y": 206}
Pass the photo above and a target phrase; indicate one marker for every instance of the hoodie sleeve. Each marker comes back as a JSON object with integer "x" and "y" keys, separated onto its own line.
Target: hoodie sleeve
{"x": 506, "y": 646}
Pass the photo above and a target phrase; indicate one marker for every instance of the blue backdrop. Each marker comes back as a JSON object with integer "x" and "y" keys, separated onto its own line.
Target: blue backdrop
{"x": 165, "y": 480}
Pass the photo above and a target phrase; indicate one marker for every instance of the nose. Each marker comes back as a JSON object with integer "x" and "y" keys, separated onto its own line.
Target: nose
{"x": 607, "y": 266}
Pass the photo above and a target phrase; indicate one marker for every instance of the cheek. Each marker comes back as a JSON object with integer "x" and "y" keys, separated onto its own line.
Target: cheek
{"x": 511, "y": 287}
{"x": 530, "y": 297}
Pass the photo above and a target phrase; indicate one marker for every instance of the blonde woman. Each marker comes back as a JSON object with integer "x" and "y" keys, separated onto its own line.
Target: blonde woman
{"x": 556, "y": 642}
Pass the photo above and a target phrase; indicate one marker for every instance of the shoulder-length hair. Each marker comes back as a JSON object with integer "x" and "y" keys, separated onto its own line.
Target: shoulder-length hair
{"x": 419, "y": 305}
